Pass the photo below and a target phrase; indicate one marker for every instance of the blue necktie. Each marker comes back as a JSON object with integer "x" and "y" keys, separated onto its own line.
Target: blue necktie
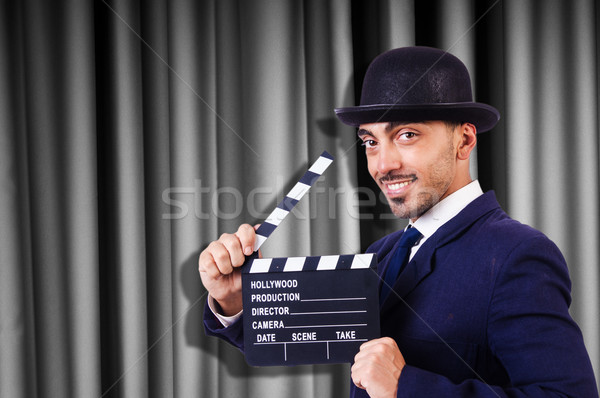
{"x": 407, "y": 241}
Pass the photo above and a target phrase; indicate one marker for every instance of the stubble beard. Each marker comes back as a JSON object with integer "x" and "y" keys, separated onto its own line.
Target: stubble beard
{"x": 423, "y": 203}
{"x": 440, "y": 178}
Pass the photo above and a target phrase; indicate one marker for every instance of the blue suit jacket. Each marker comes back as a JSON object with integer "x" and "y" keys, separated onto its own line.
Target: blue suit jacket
{"x": 483, "y": 312}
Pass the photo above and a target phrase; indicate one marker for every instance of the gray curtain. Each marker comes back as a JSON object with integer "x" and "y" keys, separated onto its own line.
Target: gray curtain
{"x": 134, "y": 133}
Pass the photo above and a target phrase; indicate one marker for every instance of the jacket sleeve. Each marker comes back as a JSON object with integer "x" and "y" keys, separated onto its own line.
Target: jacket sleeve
{"x": 234, "y": 334}
{"x": 529, "y": 330}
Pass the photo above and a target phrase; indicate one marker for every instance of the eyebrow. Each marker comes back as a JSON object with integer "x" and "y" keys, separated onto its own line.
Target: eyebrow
{"x": 390, "y": 126}
{"x": 362, "y": 132}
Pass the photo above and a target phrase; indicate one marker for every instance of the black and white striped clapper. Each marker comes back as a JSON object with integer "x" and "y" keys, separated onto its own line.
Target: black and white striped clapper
{"x": 307, "y": 310}
{"x": 293, "y": 197}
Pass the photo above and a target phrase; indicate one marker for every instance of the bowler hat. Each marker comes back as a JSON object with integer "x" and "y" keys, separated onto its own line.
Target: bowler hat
{"x": 412, "y": 84}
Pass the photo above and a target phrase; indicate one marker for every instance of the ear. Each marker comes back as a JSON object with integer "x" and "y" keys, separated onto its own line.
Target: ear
{"x": 467, "y": 133}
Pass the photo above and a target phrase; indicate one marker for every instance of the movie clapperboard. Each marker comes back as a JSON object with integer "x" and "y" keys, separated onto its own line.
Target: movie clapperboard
{"x": 307, "y": 310}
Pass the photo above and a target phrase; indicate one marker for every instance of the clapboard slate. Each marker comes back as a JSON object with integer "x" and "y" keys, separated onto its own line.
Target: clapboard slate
{"x": 309, "y": 310}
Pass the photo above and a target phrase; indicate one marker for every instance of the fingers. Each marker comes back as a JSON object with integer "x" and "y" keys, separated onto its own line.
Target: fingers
{"x": 219, "y": 267}
{"x": 234, "y": 256}
{"x": 372, "y": 350}
{"x": 215, "y": 261}
{"x": 377, "y": 367}
{"x": 355, "y": 375}
{"x": 246, "y": 235}
{"x": 381, "y": 343}
{"x": 228, "y": 252}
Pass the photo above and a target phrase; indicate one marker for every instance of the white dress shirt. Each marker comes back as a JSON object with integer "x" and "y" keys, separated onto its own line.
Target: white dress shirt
{"x": 444, "y": 211}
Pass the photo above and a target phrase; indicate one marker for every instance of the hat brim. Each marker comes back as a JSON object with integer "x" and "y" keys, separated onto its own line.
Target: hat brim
{"x": 483, "y": 116}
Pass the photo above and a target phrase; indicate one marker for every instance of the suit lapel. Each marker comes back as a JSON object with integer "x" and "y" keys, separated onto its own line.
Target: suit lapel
{"x": 415, "y": 271}
{"x": 422, "y": 263}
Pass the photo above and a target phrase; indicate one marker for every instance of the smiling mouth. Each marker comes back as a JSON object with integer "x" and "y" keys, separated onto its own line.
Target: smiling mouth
{"x": 397, "y": 186}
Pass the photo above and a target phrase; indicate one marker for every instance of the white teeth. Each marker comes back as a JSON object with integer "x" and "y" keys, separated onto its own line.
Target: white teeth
{"x": 395, "y": 187}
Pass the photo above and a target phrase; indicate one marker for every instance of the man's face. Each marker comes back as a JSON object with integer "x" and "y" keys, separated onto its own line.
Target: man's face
{"x": 414, "y": 164}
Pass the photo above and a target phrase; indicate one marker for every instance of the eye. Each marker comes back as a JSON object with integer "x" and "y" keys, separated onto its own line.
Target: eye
{"x": 369, "y": 143}
{"x": 407, "y": 135}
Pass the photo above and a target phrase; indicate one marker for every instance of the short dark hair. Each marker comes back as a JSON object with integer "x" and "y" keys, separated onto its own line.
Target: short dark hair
{"x": 451, "y": 125}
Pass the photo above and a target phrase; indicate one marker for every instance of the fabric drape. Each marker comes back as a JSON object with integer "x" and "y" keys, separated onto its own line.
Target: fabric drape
{"x": 133, "y": 133}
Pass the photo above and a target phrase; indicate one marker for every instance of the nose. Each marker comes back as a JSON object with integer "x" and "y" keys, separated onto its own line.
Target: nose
{"x": 388, "y": 159}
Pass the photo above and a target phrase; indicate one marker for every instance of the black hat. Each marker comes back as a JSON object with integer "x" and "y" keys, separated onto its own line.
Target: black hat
{"x": 412, "y": 84}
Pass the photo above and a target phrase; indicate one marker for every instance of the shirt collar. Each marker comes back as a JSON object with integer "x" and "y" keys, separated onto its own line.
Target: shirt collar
{"x": 446, "y": 209}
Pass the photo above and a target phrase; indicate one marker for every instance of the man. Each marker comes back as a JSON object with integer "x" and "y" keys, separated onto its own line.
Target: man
{"x": 480, "y": 306}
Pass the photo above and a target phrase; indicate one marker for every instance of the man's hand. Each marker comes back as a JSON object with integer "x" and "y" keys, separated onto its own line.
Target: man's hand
{"x": 377, "y": 367}
{"x": 219, "y": 265}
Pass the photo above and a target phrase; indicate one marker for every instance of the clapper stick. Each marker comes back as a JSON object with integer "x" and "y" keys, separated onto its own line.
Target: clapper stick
{"x": 296, "y": 193}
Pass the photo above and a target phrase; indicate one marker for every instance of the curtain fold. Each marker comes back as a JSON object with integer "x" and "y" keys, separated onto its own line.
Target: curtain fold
{"x": 53, "y": 212}
{"x": 552, "y": 136}
{"x": 133, "y": 133}
{"x": 17, "y": 350}
{"x": 161, "y": 279}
